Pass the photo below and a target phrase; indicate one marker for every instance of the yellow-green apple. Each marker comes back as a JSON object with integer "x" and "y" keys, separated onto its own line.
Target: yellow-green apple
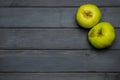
{"x": 88, "y": 15}
{"x": 102, "y": 35}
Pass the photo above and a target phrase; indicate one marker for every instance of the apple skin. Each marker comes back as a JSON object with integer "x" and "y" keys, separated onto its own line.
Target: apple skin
{"x": 88, "y": 15}
{"x": 102, "y": 35}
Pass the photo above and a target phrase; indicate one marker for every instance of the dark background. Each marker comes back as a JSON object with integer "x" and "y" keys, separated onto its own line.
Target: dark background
{"x": 40, "y": 40}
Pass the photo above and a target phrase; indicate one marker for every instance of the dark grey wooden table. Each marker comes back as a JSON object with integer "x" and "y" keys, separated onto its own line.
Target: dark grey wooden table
{"x": 40, "y": 40}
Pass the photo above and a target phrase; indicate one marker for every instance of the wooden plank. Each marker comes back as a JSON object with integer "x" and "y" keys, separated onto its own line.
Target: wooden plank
{"x": 50, "y": 17}
{"x": 6, "y": 2}
{"x": 59, "y": 3}
{"x": 48, "y": 39}
{"x": 56, "y": 61}
{"x": 57, "y": 76}
{"x": 112, "y": 76}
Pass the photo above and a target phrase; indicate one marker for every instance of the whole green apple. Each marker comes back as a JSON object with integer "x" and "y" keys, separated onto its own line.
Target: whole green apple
{"x": 88, "y": 15}
{"x": 102, "y": 35}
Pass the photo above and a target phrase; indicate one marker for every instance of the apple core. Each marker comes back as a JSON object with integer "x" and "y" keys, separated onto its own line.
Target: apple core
{"x": 94, "y": 33}
{"x": 87, "y": 14}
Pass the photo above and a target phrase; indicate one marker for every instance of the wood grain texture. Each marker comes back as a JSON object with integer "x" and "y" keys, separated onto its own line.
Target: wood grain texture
{"x": 44, "y": 61}
{"x": 48, "y": 39}
{"x": 55, "y": 76}
{"x": 6, "y": 2}
{"x": 59, "y": 76}
{"x": 50, "y": 17}
{"x": 57, "y": 3}
{"x": 40, "y": 40}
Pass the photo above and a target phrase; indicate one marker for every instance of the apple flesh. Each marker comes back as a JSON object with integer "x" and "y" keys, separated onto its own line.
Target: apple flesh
{"x": 102, "y": 35}
{"x": 88, "y": 15}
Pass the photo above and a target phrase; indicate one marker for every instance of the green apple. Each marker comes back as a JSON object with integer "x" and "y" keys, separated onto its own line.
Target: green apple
{"x": 88, "y": 15}
{"x": 102, "y": 35}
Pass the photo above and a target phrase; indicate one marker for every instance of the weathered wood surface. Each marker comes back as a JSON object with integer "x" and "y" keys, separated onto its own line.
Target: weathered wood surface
{"x": 57, "y": 3}
{"x": 59, "y": 76}
{"x": 40, "y": 40}
{"x": 6, "y": 2}
{"x": 50, "y": 17}
{"x": 48, "y": 39}
{"x": 59, "y": 61}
